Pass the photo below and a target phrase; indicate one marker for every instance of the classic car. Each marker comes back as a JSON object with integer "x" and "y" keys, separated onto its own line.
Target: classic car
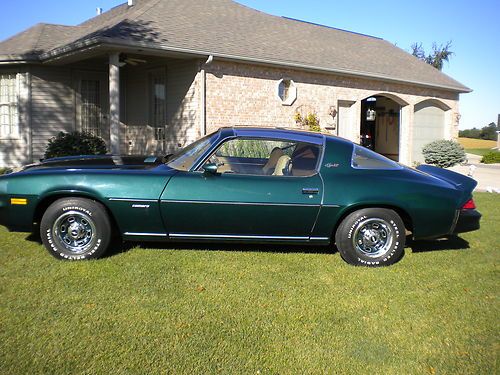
{"x": 264, "y": 185}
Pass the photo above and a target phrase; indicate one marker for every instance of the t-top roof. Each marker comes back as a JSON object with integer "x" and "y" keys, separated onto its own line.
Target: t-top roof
{"x": 226, "y": 29}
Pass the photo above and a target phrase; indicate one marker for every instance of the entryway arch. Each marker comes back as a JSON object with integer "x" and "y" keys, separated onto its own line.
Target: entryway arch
{"x": 380, "y": 125}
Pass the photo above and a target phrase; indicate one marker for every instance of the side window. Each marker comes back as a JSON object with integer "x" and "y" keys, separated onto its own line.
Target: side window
{"x": 363, "y": 158}
{"x": 266, "y": 157}
{"x": 253, "y": 148}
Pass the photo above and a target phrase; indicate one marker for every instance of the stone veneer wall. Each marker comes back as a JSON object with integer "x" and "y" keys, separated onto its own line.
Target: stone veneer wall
{"x": 240, "y": 94}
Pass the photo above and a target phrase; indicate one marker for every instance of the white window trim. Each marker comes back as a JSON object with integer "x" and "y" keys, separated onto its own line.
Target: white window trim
{"x": 17, "y": 104}
{"x": 292, "y": 93}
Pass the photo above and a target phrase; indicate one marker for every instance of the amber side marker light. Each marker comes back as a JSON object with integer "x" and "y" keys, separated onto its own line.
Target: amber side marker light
{"x": 19, "y": 201}
{"x": 469, "y": 205}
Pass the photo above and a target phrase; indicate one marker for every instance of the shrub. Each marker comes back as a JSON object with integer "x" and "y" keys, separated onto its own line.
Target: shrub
{"x": 491, "y": 157}
{"x": 309, "y": 121}
{"x": 5, "y": 171}
{"x": 75, "y": 143}
{"x": 443, "y": 153}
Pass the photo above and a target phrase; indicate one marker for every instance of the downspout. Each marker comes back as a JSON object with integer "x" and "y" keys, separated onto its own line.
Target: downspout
{"x": 203, "y": 122}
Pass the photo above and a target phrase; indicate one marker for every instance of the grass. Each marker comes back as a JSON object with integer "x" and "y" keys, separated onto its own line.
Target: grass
{"x": 477, "y": 146}
{"x": 253, "y": 310}
{"x": 480, "y": 151}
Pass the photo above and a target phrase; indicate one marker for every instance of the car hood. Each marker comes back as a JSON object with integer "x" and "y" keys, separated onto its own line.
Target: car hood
{"x": 107, "y": 162}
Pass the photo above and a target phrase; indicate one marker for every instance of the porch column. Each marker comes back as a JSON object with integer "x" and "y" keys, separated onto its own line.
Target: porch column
{"x": 405, "y": 135}
{"x": 114, "y": 102}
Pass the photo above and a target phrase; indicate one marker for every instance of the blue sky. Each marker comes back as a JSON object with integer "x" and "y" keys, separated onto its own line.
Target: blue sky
{"x": 473, "y": 28}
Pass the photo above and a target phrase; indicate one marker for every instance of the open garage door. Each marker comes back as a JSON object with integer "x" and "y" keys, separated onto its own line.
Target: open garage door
{"x": 428, "y": 127}
{"x": 380, "y": 125}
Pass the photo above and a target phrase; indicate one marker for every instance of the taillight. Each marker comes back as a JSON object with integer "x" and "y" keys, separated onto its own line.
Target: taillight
{"x": 469, "y": 205}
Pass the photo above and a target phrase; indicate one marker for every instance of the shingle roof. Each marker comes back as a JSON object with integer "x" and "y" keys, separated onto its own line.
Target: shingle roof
{"x": 227, "y": 29}
{"x": 30, "y": 43}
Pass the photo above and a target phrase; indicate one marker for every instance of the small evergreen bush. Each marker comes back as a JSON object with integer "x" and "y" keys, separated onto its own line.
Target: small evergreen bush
{"x": 444, "y": 153}
{"x": 75, "y": 143}
{"x": 491, "y": 157}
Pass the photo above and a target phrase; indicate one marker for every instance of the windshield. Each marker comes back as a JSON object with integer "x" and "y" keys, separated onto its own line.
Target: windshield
{"x": 185, "y": 158}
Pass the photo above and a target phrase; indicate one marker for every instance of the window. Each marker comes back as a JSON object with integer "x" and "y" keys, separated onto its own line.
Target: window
{"x": 253, "y": 148}
{"x": 287, "y": 91}
{"x": 185, "y": 158}
{"x": 363, "y": 158}
{"x": 9, "y": 119}
{"x": 266, "y": 157}
{"x": 90, "y": 110}
{"x": 158, "y": 103}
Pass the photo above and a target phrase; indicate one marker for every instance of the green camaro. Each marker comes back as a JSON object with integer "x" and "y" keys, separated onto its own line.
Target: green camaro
{"x": 244, "y": 185}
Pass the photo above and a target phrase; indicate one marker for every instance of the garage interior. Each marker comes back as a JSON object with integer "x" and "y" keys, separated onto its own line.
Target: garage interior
{"x": 380, "y": 125}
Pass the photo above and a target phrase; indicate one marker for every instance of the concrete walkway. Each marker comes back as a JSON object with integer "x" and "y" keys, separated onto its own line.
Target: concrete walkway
{"x": 486, "y": 175}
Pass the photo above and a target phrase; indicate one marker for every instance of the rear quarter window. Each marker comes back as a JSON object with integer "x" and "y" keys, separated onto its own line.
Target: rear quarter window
{"x": 363, "y": 158}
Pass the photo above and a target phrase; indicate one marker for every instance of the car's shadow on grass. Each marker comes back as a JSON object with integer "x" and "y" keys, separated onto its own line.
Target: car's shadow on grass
{"x": 420, "y": 246}
{"x": 451, "y": 243}
{"x": 119, "y": 247}
{"x": 34, "y": 237}
{"x": 124, "y": 247}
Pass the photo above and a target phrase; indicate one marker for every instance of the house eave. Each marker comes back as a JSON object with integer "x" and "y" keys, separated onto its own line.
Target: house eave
{"x": 18, "y": 59}
{"x": 114, "y": 44}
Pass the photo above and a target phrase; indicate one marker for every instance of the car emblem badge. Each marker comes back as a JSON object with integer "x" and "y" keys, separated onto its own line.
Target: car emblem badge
{"x": 331, "y": 165}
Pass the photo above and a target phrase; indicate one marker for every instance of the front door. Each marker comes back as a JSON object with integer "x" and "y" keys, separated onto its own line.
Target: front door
{"x": 93, "y": 104}
{"x": 266, "y": 190}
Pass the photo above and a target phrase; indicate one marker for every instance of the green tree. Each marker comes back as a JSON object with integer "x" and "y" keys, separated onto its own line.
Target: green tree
{"x": 438, "y": 55}
{"x": 470, "y": 133}
{"x": 489, "y": 132}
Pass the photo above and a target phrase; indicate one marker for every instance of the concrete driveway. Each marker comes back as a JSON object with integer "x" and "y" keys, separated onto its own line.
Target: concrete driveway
{"x": 486, "y": 175}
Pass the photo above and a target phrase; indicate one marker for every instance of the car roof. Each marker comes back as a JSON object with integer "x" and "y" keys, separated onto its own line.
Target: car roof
{"x": 281, "y": 133}
{"x": 295, "y": 134}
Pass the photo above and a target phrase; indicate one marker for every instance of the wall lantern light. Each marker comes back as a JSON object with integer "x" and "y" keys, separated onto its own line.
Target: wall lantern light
{"x": 371, "y": 114}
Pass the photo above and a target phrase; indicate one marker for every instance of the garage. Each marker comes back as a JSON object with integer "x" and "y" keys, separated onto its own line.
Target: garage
{"x": 429, "y": 125}
{"x": 380, "y": 125}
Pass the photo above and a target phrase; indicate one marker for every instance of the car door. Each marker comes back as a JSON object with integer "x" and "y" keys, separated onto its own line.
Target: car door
{"x": 242, "y": 202}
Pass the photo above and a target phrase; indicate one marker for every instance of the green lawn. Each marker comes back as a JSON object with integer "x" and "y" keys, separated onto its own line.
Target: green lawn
{"x": 253, "y": 310}
{"x": 479, "y": 151}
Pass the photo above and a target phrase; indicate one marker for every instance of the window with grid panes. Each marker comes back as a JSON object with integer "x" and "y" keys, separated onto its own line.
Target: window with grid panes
{"x": 9, "y": 114}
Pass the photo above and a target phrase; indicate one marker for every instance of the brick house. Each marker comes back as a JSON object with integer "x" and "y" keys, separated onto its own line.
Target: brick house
{"x": 150, "y": 76}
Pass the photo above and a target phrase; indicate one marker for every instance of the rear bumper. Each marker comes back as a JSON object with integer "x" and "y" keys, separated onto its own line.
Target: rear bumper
{"x": 468, "y": 220}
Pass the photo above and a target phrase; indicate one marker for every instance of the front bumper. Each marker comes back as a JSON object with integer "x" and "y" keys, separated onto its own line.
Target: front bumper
{"x": 468, "y": 220}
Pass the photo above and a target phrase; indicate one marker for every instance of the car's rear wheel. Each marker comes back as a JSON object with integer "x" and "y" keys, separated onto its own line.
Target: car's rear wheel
{"x": 371, "y": 237}
{"x": 75, "y": 229}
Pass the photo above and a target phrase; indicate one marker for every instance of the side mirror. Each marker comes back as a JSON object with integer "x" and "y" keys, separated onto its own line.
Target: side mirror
{"x": 210, "y": 168}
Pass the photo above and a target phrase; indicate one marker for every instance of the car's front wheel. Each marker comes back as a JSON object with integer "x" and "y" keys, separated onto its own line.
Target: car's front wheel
{"x": 371, "y": 237}
{"x": 75, "y": 229}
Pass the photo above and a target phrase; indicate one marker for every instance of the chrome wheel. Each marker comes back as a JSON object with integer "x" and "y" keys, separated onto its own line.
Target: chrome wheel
{"x": 74, "y": 230}
{"x": 373, "y": 237}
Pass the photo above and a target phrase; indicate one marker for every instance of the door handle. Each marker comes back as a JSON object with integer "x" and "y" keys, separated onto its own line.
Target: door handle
{"x": 310, "y": 190}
